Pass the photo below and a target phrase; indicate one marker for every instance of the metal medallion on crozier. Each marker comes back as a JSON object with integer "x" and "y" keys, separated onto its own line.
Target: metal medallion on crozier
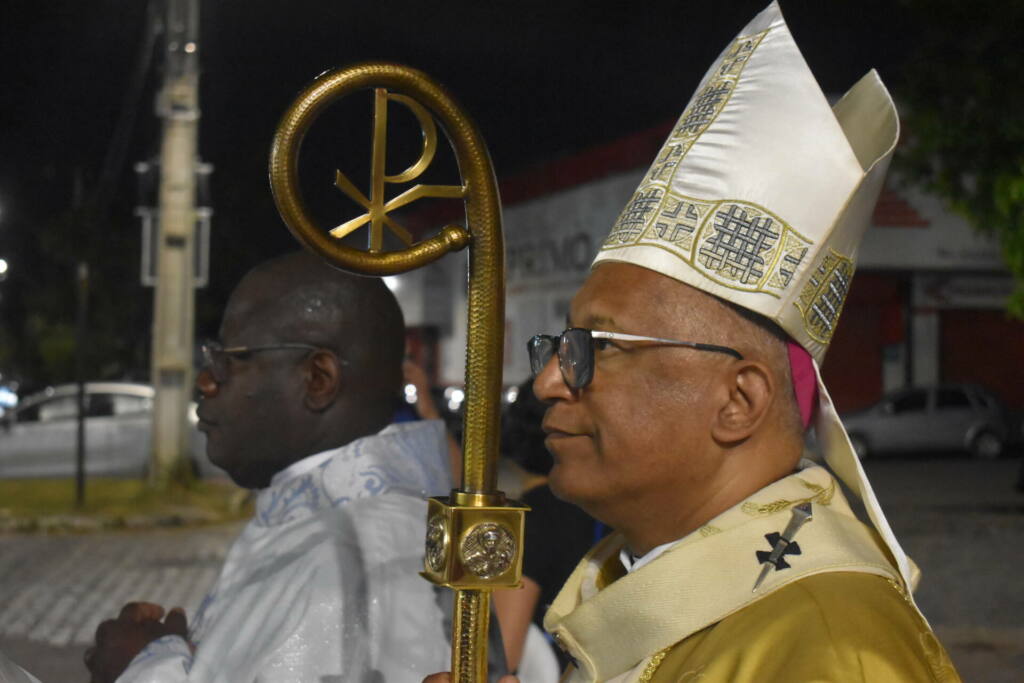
{"x": 437, "y": 543}
{"x": 488, "y": 550}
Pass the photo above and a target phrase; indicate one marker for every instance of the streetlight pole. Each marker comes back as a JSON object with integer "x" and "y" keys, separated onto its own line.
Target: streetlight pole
{"x": 174, "y": 303}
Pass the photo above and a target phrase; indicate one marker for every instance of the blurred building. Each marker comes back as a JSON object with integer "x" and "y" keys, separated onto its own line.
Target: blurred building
{"x": 926, "y": 305}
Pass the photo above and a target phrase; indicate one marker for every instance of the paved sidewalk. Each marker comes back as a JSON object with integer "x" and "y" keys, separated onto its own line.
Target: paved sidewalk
{"x": 57, "y": 589}
{"x": 963, "y": 523}
{"x": 48, "y": 663}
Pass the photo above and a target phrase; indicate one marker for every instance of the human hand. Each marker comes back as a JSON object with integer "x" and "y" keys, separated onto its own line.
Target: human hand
{"x": 119, "y": 640}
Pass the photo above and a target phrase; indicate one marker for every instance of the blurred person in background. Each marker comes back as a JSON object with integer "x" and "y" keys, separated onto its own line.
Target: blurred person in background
{"x": 527, "y": 651}
{"x": 558, "y": 534}
{"x": 425, "y": 408}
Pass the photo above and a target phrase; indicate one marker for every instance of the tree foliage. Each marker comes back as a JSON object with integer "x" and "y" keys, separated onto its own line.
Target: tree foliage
{"x": 39, "y": 343}
{"x": 962, "y": 98}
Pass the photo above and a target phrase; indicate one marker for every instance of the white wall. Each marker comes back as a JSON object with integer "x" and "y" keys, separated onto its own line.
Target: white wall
{"x": 947, "y": 243}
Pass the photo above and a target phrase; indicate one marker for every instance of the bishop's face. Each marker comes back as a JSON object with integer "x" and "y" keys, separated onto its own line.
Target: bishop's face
{"x": 636, "y": 439}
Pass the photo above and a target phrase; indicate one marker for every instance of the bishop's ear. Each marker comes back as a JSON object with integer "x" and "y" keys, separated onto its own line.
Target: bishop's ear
{"x": 323, "y": 379}
{"x": 751, "y": 391}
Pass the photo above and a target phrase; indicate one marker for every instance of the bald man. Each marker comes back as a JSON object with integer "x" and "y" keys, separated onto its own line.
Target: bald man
{"x": 322, "y": 585}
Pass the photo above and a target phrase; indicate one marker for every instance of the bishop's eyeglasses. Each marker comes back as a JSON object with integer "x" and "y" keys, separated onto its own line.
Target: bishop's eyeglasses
{"x": 575, "y": 347}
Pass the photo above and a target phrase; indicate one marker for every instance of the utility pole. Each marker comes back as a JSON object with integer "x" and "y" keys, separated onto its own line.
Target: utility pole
{"x": 81, "y": 330}
{"x": 173, "y": 301}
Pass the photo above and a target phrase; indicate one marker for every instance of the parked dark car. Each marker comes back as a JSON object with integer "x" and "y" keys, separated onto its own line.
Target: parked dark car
{"x": 37, "y": 439}
{"x": 949, "y": 417}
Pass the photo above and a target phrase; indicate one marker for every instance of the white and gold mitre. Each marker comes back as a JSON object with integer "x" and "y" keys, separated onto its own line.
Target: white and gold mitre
{"x": 762, "y": 191}
{"x": 760, "y": 196}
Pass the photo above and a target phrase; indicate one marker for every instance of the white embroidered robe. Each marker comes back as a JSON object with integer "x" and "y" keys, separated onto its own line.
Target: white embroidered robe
{"x": 322, "y": 586}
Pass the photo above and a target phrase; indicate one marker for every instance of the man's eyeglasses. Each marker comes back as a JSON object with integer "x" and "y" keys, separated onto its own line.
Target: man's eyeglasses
{"x": 215, "y": 355}
{"x": 575, "y": 348}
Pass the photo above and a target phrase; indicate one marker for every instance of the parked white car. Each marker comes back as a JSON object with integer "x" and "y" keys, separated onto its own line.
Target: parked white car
{"x": 950, "y": 417}
{"x": 38, "y": 438}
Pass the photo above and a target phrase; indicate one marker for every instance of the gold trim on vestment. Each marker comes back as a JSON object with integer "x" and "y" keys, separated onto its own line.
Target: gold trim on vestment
{"x": 653, "y": 665}
{"x": 822, "y": 496}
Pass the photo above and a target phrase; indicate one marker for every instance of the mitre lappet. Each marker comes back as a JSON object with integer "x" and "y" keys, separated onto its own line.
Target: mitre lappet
{"x": 760, "y": 196}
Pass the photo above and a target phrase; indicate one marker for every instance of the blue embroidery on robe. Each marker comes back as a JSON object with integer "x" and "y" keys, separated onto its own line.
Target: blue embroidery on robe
{"x": 406, "y": 459}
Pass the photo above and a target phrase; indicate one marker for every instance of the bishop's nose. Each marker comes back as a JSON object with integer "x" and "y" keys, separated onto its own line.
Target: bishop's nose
{"x": 549, "y": 385}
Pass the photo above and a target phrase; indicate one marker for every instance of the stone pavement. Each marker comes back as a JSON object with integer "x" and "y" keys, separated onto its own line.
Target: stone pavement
{"x": 962, "y": 521}
{"x": 57, "y": 589}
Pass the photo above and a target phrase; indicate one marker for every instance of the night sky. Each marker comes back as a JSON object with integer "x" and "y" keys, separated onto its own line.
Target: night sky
{"x": 542, "y": 80}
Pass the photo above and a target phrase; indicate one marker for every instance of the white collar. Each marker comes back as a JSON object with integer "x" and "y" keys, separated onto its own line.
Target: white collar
{"x": 302, "y": 466}
{"x": 632, "y": 563}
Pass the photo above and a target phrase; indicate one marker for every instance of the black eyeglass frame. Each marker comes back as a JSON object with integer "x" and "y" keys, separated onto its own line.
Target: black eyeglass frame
{"x": 214, "y": 352}
{"x": 578, "y": 372}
